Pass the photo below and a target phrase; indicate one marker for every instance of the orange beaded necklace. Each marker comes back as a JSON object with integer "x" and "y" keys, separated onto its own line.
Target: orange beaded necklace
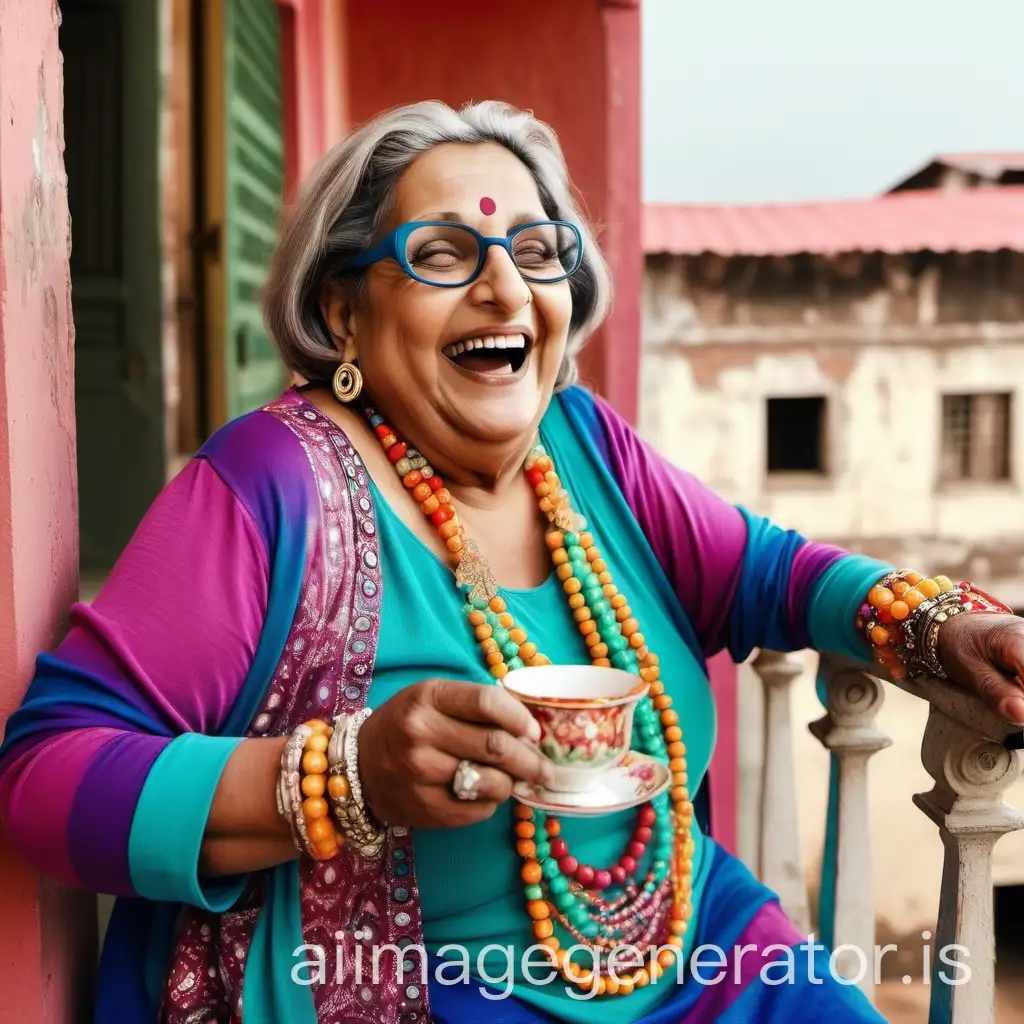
{"x": 612, "y": 636}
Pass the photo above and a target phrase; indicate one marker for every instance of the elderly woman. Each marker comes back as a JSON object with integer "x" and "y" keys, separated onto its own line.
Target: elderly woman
{"x": 283, "y": 698}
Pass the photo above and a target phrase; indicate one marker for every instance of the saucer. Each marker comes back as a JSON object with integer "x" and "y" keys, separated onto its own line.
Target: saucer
{"x": 634, "y": 779}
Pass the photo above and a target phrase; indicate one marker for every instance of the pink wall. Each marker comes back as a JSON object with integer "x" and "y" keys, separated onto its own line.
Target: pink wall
{"x": 47, "y": 941}
{"x": 576, "y": 64}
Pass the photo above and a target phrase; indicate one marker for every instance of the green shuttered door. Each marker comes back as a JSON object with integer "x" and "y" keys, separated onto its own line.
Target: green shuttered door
{"x": 254, "y": 167}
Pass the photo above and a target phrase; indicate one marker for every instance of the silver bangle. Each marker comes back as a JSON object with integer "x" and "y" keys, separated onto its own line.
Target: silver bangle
{"x": 352, "y": 753}
{"x": 289, "y": 788}
{"x": 930, "y": 636}
{"x": 922, "y": 631}
{"x": 350, "y": 810}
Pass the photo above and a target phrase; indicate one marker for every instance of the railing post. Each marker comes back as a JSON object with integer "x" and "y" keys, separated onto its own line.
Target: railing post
{"x": 780, "y": 864}
{"x": 971, "y": 773}
{"x": 848, "y": 731}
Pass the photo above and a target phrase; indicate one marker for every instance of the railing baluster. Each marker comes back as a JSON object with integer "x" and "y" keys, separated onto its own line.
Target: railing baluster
{"x": 848, "y": 730}
{"x": 966, "y": 750}
{"x": 780, "y": 863}
{"x": 971, "y": 773}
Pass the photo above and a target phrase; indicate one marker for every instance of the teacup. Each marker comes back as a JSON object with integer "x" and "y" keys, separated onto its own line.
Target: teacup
{"x": 585, "y": 714}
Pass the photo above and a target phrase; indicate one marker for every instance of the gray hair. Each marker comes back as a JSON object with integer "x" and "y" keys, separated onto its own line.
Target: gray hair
{"x": 347, "y": 198}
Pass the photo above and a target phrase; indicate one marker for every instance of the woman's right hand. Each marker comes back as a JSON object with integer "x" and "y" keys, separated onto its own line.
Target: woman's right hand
{"x": 411, "y": 746}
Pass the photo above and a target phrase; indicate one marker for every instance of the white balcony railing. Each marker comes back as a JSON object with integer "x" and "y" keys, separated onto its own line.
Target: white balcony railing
{"x": 969, "y": 753}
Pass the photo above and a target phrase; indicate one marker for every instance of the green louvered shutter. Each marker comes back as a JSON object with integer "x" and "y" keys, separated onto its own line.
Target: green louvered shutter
{"x": 254, "y": 168}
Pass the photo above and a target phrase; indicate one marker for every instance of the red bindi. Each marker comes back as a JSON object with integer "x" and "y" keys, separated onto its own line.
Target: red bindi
{"x": 487, "y": 206}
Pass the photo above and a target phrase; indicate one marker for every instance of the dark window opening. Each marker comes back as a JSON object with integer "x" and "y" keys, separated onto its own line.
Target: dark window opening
{"x": 796, "y": 435}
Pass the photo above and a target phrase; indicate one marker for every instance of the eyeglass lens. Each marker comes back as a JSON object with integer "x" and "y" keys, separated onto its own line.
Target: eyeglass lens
{"x": 449, "y": 254}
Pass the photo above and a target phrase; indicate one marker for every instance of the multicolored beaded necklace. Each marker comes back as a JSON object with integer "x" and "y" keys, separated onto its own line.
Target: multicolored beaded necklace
{"x": 652, "y": 916}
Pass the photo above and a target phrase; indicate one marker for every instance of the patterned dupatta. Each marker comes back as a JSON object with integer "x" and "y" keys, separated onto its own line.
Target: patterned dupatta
{"x": 348, "y": 905}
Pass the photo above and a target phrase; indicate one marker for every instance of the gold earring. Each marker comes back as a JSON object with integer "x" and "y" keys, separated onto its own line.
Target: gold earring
{"x": 347, "y": 383}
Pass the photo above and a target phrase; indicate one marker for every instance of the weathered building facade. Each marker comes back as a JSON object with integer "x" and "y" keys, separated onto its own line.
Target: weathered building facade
{"x": 868, "y": 396}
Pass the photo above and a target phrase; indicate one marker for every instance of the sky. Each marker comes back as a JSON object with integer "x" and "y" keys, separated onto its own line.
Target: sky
{"x": 779, "y": 100}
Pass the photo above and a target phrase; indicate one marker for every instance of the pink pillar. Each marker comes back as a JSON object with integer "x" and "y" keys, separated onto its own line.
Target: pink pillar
{"x": 313, "y": 77}
{"x": 611, "y": 362}
{"x": 48, "y": 938}
{"x": 723, "y": 771}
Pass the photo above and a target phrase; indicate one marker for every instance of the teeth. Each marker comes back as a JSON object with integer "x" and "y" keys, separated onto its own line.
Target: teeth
{"x": 506, "y": 341}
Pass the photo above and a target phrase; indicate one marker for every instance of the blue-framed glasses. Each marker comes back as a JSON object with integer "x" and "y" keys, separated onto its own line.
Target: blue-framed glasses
{"x": 449, "y": 255}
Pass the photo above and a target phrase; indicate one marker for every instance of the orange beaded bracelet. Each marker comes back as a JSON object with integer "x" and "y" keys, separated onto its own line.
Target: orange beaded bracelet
{"x": 903, "y": 614}
{"x": 301, "y": 791}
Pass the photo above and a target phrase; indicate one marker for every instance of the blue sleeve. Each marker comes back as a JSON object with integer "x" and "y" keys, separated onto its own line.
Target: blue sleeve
{"x": 793, "y": 593}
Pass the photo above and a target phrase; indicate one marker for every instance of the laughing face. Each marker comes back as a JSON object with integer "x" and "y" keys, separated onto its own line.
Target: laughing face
{"x": 460, "y": 369}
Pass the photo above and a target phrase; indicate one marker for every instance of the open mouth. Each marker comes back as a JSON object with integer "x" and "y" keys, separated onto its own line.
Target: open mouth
{"x": 500, "y": 355}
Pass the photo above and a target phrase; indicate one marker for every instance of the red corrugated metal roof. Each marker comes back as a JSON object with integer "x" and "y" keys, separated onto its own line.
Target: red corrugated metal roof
{"x": 972, "y": 220}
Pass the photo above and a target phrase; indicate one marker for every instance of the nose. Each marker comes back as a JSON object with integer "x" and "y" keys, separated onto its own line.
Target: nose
{"x": 500, "y": 282}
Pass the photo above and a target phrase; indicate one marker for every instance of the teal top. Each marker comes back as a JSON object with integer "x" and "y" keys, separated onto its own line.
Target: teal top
{"x": 471, "y": 895}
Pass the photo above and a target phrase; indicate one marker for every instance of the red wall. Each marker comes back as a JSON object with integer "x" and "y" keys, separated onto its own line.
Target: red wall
{"x": 576, "y": 64}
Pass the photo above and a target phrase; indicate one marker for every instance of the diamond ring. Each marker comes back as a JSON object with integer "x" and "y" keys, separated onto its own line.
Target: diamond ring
{"x": 466, "y": 783}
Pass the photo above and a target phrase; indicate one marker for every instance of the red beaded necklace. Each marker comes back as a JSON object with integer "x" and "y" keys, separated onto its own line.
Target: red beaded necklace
{"x": 612, "y": 637}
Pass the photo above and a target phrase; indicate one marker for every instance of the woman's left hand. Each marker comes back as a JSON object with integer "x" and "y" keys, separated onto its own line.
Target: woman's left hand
{"x": 985, "y": 652}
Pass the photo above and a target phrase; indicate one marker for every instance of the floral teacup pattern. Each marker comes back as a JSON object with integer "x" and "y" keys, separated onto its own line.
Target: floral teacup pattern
{"x": 585, "y": 738}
